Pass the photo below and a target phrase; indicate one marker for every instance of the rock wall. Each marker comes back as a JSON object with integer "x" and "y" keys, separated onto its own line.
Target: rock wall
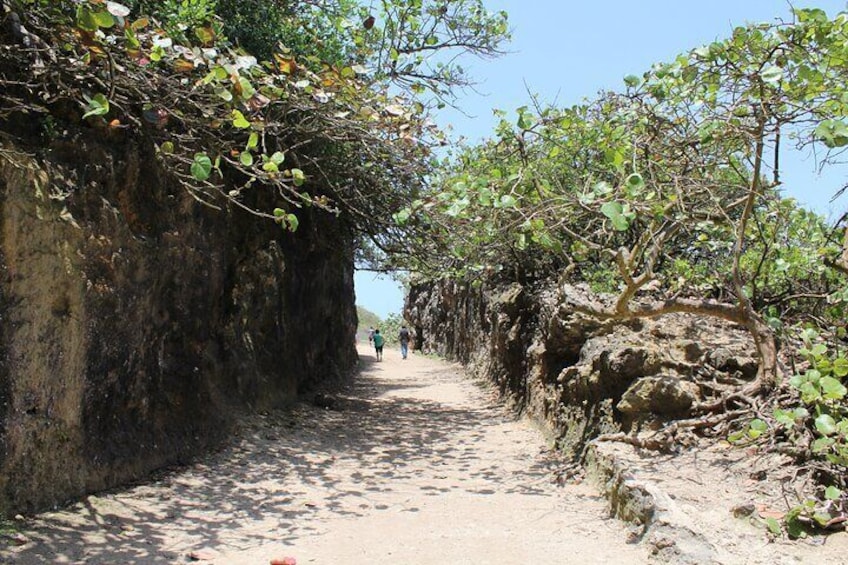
{"x": 136, "y": 322}
{"x": 576, "y": 376}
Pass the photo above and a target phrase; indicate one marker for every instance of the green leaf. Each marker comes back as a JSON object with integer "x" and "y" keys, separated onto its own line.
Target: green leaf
{"x": 402, "y": 216}
{"x": 784, "y": 417}
{"x": 771, "y": 74}
{"x": 840, "y": 366}
{"x": 239, "y": 120}
{"x": 508, "y": 201}
{"x": 810, "y": 393}
{"x": 612, "y": 209}
{"x": 825, "y": 424}
{"x": 85, "y": 18}
{"x": 702, "y": 52}
{"x": 201, "y": 168}
{"x": 253, "y": 140}
{"x": 736, "y": 436}
{"x": 620, "y": 223}
{"x": 832, "y": 493}
{"x": 632, "y": 81}
{"x": 635, "y": 182}
{"x": 246, "y": 158}
{"x": 525, "y": 120}
{"x": 167, "y": 147}
{"x": 822, "y": 444}
{"x": 298, "y": 177}
{"x": 247, "y": 90}
{"x": 795, "y": 527}
{"x": 292, "y": 222}
{"x": 757, "y": 428}
{"x": 279, "y": 212}
{"x": 833, "y": 133}
{"x": 832, "y": 389}
{"x": 224, "y": 94}
{"x": 104, "y": 19}
{"x": 97, "y": 106}
{"x": 278, "y": 157}
{"x": 602, "y": 188}
{"x": 773, "y": 525}
{"x": 206, "y": 35}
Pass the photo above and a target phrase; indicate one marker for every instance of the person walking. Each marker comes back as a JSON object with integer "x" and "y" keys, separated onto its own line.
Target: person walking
{"x": 403, "y": 337}
{"x": 378, "y": 344}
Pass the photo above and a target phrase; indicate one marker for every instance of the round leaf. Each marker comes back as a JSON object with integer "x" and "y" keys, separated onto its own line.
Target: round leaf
{"x": 832, "y": 388}
{"x": 612, "y": 209}
{"x": 825, "y": 424}
{"x": 201, "y": 168}
{"x": 832, "y": 493}
{"x": 239, "y": 120}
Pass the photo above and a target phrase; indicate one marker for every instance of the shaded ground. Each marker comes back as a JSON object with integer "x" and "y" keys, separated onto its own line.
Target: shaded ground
{"x": 413, "y": 464}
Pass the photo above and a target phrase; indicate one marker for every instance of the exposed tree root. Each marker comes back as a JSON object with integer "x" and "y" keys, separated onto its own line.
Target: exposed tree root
{"x": 664, "y": 440}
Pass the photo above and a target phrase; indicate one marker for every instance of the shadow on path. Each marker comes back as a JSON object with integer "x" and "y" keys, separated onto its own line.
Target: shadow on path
{"x": 286, "y": 474}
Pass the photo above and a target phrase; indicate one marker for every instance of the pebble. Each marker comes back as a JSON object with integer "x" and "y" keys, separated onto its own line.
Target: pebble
{"x": 19, "y": 539}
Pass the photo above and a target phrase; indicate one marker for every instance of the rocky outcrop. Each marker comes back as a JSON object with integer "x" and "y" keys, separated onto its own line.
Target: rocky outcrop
{"x": 578, "y": 376}
{"x": 136, "y": 321}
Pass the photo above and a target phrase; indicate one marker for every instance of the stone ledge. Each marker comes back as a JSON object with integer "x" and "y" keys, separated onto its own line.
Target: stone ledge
{"x": 658, "y": 521}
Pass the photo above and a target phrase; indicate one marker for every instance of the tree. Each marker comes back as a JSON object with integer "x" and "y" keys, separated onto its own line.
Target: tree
{"x": 666, "y": 193}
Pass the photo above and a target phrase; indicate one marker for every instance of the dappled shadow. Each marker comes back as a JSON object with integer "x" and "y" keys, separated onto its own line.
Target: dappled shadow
{"x": 286, "y": 472}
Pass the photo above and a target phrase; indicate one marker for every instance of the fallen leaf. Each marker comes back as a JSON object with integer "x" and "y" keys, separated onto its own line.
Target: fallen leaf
{"x": 769, "y": 513}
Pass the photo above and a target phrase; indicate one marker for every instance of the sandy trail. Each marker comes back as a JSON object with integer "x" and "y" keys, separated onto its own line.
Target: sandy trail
{"x": 414, "y": 465}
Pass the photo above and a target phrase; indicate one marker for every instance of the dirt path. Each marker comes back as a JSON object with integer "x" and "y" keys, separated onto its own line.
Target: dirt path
{"x": 413, "y": 465}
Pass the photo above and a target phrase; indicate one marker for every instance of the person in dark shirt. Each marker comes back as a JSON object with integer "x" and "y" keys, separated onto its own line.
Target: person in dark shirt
{"x": 404, "y": 338}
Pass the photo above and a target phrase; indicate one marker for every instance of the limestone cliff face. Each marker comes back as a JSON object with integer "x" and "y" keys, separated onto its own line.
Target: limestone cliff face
{"x": 136, "y": 322}
{"x": 574, "y": 375}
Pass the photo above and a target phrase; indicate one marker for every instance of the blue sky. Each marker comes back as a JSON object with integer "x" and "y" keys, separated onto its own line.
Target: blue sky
{"x": 567, "y": 50}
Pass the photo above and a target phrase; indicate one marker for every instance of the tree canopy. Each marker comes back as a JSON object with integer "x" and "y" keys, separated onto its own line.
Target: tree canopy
{"x": 319, "y": 101}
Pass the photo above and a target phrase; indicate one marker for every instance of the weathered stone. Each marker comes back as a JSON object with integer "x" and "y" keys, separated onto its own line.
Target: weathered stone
{"x": 692, "y": 351}
{"x": 579, "y": 375}
{"x": 627, "y": 362}
{"x": 137, "y": 323}
{"x": 663, "y": 395}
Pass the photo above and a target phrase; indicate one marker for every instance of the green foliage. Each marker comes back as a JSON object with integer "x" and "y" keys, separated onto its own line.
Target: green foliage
{"x": 181, "y": 18}
{"x": 313, "y": 33}
{"x": 324, "y": 78}
{"x": 823, "y": 393}
{"x": 366, "y": 319}
{"x": 819, "y": 420}
{"x": 663, "y": 171}
{"x": 390, "y": 328}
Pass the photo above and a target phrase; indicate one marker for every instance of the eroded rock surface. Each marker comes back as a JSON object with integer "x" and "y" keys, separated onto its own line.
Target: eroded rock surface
{"x": 136, "y": 321}
{"x": 577, "y": 375}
